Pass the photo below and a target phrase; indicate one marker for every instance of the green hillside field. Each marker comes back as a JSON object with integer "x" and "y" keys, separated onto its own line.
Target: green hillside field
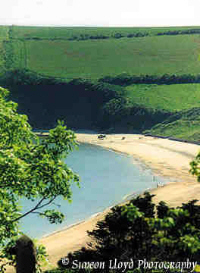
{"x": 30, "y": 32}
{"x": 181, "y": 98}
{"x": 173, "y": 98}
{"x": 154, "y": 55}
{"x": 50, "y": 52}
{"x": 43, "y": 54}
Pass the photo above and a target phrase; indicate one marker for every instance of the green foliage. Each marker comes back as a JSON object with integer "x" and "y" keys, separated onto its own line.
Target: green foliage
{"x": 121, "y": 115}
{"x": 8, "y": 56}
{"x": 180, "y": 32}
{"x": 78, "y": 101}
{"x": 114, "y": 108}
{"x": 13, "y": 54}
{"x": 195, "y": 167}
{"x": 41, "y": 257}
{"x": 141, "y": 230}
{"x": 54, "y": 217}
{"x": 126, "y": 79}
{"x": 30, "y": 168}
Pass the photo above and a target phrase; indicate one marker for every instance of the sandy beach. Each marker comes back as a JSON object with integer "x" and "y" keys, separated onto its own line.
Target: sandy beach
{"x": 165, "y": 157}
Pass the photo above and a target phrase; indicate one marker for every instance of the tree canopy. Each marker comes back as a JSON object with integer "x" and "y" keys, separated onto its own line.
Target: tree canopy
{"x": 156, "y": 238}
{"x": 32, "y": 168}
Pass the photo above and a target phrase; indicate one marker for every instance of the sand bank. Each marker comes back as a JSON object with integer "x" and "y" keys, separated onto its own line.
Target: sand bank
{"x": 165, "y": 157}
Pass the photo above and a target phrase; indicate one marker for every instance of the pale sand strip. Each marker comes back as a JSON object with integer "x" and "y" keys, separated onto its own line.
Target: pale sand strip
{"x": 165, "y": 157}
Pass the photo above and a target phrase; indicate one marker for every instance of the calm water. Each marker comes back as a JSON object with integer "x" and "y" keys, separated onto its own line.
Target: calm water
{"x": 106, "y": 178}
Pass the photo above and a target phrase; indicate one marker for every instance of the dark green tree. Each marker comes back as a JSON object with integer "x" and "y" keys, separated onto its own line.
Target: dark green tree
{"x": 141, "y": 230}
{"x": 32, "y": 168}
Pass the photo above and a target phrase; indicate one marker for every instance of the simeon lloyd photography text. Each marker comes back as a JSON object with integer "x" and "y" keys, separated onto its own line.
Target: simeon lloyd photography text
{"x": 124, "y": 266}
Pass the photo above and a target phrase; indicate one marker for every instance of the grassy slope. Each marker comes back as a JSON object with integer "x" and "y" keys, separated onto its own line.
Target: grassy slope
{"x": 183, "y": 125}
{"x": 97, "y": 58}
{"x": 175, "y": 97}
{"x": 181, "y": 128}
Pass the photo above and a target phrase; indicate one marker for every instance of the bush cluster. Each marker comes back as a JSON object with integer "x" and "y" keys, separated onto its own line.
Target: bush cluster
{"x": 83, "y": 37}
{"x": 140, "y": 230}
{"x": 180, "y": 32}
{"x": 125, "y": 79}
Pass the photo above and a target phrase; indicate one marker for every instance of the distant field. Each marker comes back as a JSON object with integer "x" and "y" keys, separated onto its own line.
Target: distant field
{"x": 96, "y": 58}
{"x": 4, "y": 32}
{"x": 19, "y": 54}
{"x": 69, "y": 32}
{"x": 94, "y": 53}
{"x": 175, "y": 97}
{"x": 154, "y": 55}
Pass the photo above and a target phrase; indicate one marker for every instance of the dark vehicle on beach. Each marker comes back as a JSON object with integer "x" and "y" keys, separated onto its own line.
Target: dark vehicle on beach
{"x": 101, "y": 136}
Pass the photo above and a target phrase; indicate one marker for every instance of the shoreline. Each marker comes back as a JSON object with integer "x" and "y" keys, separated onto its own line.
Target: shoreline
{"x": 127, "y": 197}
{"x": 139, "y": 154}
{"x": 167, "y": 158}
